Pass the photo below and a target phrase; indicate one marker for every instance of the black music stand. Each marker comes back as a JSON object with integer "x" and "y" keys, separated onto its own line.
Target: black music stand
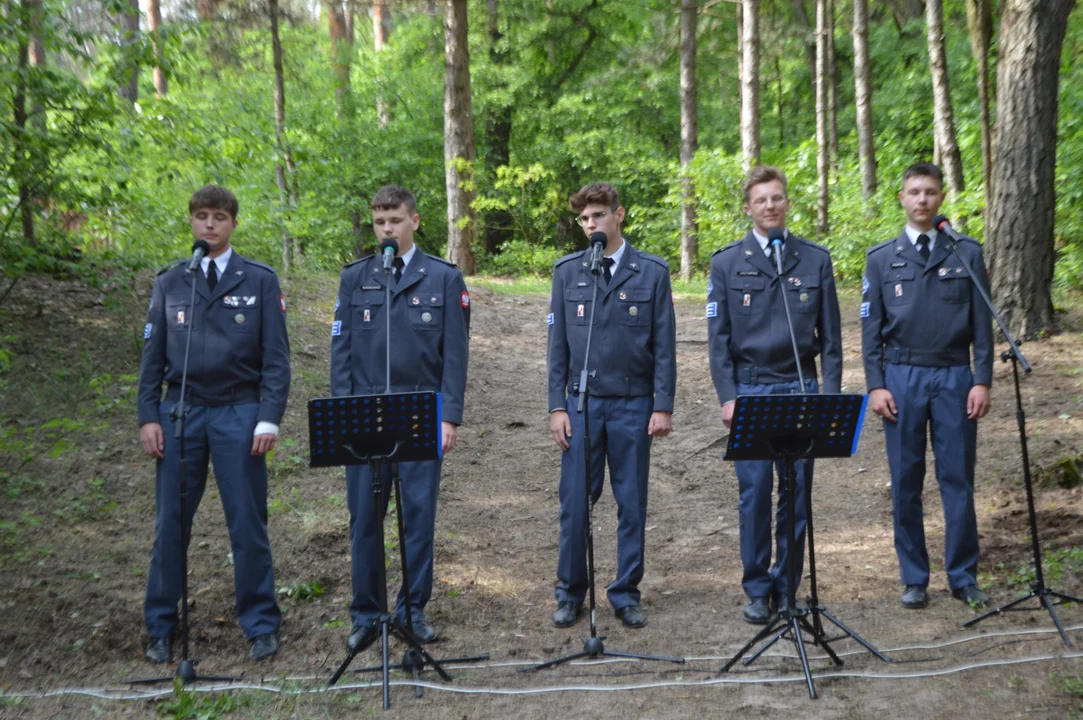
{"x": 381, "y": 431}
{"x": 785, "y": 429}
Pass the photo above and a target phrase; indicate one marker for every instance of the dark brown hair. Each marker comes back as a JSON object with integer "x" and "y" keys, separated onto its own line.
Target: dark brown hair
{"x": 390, "y": 197}
{"x": 213, "y": 197}
{"x": 763, "y": 174}
{"x": 601, "y": 193}
{"x": 924, "y": 169}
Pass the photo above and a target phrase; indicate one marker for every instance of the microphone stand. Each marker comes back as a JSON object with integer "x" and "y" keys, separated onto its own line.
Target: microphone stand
{"x": 593, "y": 646}
{"x": 186, "y": 671}
{"x": 1038, "y": 588}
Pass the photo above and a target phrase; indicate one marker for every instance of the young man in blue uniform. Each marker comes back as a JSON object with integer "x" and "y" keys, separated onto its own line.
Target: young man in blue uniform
{"x": 921, "y": 315}
{"x": 430, "y": 320}
{"x": 238, "y": 382}
{"x": 633, "y": 377}
{"x": 751, "y": 354}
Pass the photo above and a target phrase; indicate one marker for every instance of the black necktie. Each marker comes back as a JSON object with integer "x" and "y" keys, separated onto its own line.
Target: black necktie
{"x": 212, "y": 275}
{"x": 771, "y": 255}
{"x": 399, "y": 264}
{"x": 923, "y": 246}
{"x": 607, "y": 268}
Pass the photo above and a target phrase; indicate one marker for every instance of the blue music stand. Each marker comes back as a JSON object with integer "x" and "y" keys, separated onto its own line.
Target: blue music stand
{"x": 785, "y": 429}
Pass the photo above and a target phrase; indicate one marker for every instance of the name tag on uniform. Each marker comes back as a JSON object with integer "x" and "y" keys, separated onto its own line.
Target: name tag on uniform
{"x": 748, "y": 272}
{"x": 372, "y": 287}
{"x": 898, "y": 265}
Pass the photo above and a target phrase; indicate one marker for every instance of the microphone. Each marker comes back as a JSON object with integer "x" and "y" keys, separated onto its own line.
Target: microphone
{"x": 776, "y": 236}
{"x": 941, "y": 223}
{"x": 200, "y": 249}
{"x": 390, "y": 248}
{"x": 597, "y": 244}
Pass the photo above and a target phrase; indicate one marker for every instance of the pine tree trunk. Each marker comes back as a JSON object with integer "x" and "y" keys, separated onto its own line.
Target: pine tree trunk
{"x": 379, "y": 41}
{"x": 823, "y": 159}
{"x": 979, "y": 23}
{"x": 458, "y": 137}
{"x": 340, "y": 54}
{"x": 866, "y": 141}
{"x": 751, "y": 149}
{"x": 129, "y": 90}
{"x": 154, "y": 23}
{"x": 36, "y": 19}
{"x": 689, "y": 138}
{"x": 1019, "y": 244}
{"x": 284, "y": 168}
{"x": 943, "y": 117}
{"x": 832, "y": 91}
{"x": 498, "y": 223}
{"x": 808, "y": 37}
{"x": 21, "y": 167}
{"x": 740, "y": 20}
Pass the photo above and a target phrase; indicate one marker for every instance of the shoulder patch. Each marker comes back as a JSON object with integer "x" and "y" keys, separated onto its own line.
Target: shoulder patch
{"x": 358, "y": 260}
{"x": 725, "y": 248}
{"x": 171, "y": 265}
{"x": 260, "y": 265}
{"x": 566, "y": 258}
{"x": 886, "y": 243}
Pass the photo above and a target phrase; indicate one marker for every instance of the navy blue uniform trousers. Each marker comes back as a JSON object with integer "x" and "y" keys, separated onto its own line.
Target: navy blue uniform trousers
{"x": 755, "y": 485}
{"x": 618, "y": 433}
{"x": 420, "y": 490}
{"x": 932, "y": 399}
{"x": 223, "y": 435}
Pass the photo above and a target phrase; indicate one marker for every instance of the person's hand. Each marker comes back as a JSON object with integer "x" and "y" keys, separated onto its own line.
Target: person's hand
{"x": 660, "y": 425}
{"x": 882, "y": 402}
{"x": 261, "y": 444}
{"x": 727, "y": 413}
{"x": 561, "y": 427}
{"x": 150, "y": 436}
{"x": 449, "y": 433}
{"x": 977, "y": 402}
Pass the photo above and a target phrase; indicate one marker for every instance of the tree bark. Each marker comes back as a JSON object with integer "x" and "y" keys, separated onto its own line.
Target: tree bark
{"x": 832, "y": 91}
{"x": 740, "y": 19}
{"x": 129, "y": 90}
{"x": 1019, "y": 248}
{"x": 458, "y": 138}
{"x": 379, "y": 41}
{"x": 808, "y": 37}
{"x": 823, "y": 159}
{"x": 36, "y": 49}
{"x": 943, "y": 118}
{"x": 498, "y": 224}
{"x": 866, "y": 142}
{"x": 206, "y": 9}
{"x": 689, "y": 139}
{"x": 21, "y": 165}
{"x": 979, "y": 25}
{"x": 751, "y": 150}
{"x": 154, "y": 23}
{"x": 340, "y": 54}
{"x": 284, "y": 168}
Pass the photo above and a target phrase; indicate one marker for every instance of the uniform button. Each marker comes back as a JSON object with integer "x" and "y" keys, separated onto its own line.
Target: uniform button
{"x": 633, "y": 311}
{"x": 238, "y": 318}
{"x": 426, "y": 317}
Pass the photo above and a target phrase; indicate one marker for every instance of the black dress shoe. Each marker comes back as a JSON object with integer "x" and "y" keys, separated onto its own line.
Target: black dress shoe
{"x": 264, "y": 647}
{"x": 915, "y": 597}
{"x": 160, "y": 650}
{"x": 362, "y": 637}
{"x": 423, "y": 631}
{"x": 632, "y": 616}
{"x": 971, "y": 595}
{"x": 757, "y": 611}
{"x": 567, "y": 613}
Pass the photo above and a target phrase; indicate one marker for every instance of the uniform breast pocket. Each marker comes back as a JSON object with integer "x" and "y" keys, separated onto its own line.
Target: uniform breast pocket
{"x": 426, "y": 312}
{"x": 954, "y": 285}
{"x": 804, "y": 293}
{"x": 748, "y": 296}
{"x": 576, "y": 307}
{"x": 899, "y": 287}
{"x": 367, "y": 307}
{"x": 238, "y": 313}
{"x": 178, "y": 311}
{"x": 634, "y": 306}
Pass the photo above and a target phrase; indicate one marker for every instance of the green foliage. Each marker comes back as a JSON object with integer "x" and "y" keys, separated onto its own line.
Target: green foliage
{"x": 190, "y": 705}
{"x": 303, "y": 591}
{"x": 1054, "y": 565}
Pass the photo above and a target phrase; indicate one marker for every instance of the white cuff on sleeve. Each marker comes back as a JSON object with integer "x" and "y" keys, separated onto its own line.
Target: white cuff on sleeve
{"x": 266, "y": 428}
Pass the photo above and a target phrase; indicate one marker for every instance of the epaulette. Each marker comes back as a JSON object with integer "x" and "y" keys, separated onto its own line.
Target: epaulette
{"x": 442, "y": 260}
{"x": 967, "y": 238}
{"x": 171, "y": 265}
{"x": 655, "y": 259}
{"x": 884, "y": 244}
{"x": 260, "y": 265}
{"x": 358, "y": 260}
{"x": 727, "y": 247}
{"x": 809, "y": 243}
{"x": 566, "y": 258}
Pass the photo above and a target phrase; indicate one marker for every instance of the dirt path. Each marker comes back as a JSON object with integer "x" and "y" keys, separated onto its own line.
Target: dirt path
{"x": 71, "y": 585}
